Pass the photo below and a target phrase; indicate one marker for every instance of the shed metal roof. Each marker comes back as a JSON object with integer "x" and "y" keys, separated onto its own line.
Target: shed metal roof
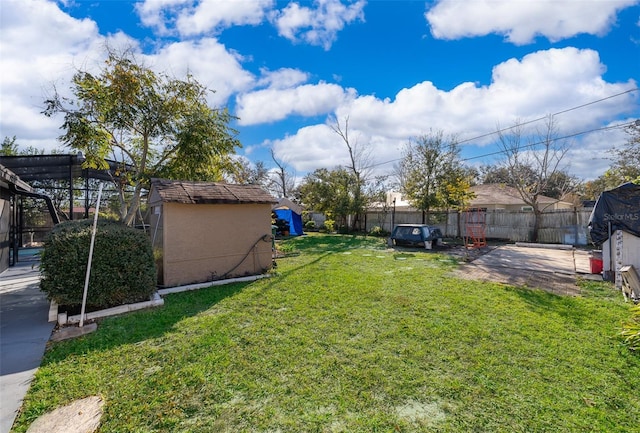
{"x": 192, "y": 192}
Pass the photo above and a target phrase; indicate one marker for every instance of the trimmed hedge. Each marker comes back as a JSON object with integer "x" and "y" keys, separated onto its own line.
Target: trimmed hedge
{"x": 122, "y": 269}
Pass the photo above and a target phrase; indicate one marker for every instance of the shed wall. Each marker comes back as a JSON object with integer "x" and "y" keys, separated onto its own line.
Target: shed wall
{"x": 206, "y": 242}
{"x": 626, "y": 251}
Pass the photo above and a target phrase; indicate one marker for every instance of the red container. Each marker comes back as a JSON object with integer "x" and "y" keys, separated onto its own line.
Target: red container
{"x": 596, "y": 265}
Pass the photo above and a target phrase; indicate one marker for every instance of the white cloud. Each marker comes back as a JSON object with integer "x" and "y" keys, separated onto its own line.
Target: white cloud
{"x": 209, "y": 62}
{"x": 317, "y": 26}
{"x": 522, "y": 21}
{"x": 272, "y": 104}
{"x": 319, "y": 146}
{"x": 282, "y": 78}
{"x": 541, "y": 83}
{"x": 158, "y": 13}
{"x": 190, "y": 17}
{"x": 310, "y": 148}
{"x": 40, "y": 47}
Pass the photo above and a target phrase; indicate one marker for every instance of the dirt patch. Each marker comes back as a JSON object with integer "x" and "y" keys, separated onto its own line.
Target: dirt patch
{"x": 559, "y": 284}
{"x": 550, "y": 269}
{"x": 458, "y": 251}
{"x": 421, "y": 413}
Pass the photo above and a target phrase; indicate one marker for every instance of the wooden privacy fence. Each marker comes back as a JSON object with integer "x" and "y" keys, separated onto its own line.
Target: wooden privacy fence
{"x": 557, "y": 227}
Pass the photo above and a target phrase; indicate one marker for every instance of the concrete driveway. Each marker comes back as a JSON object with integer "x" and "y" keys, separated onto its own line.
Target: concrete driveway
{"x": 24, "y": 332}
{"x": 554, "y": 268}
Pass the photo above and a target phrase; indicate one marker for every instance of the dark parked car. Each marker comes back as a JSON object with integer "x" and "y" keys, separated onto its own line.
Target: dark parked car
{"x": 417, "y": 235}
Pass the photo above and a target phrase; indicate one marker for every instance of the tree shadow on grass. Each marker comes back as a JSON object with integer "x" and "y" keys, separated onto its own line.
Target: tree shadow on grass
{"x": 545, "y": 303}
{"x": 142, "y": 325}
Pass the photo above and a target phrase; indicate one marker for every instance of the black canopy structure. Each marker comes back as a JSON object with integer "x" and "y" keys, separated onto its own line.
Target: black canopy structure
{"x": 616, "y": 209}
{"x": 43, "y": 177}
{"x": 56, "y": 167}
{"x": 61, "y": 167}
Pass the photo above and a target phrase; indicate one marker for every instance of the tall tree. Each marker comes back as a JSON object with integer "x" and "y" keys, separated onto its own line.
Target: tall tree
{"x": 359, "y": 167}
{"x": 431, "y": 173}
{"x": 542, "y": 152}
{"x": 154, "y": 125}
{"x": 283, "y": 181}
{"x": 248, "y": 174}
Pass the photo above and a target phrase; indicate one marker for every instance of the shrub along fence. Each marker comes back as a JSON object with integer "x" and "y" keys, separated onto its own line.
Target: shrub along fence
{"x": 558, "y": 227}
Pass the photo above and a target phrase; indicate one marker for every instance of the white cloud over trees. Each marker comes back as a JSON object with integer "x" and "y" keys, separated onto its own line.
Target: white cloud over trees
{"x": 42, "y": 46}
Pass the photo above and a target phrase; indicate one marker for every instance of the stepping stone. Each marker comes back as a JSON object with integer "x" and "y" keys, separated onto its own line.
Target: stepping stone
{"x": 81, "y": 416}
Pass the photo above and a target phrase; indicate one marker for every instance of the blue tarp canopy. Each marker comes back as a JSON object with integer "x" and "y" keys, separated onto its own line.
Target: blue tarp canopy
{"x": 287, "y": 210}
{"x": 294, "y": 220}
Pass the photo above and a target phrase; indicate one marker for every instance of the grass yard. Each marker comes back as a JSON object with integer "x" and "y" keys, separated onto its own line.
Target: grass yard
{"x": 351, "y": 337}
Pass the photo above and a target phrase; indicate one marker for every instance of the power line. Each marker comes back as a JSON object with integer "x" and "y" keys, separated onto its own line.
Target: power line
{"x": 575, "y": 134}
{"x": 553, "y": 114}
{"x": 533, "y": 121}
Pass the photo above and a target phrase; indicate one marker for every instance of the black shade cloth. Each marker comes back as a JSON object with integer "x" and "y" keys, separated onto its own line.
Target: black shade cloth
{"x": 621, "y": 208}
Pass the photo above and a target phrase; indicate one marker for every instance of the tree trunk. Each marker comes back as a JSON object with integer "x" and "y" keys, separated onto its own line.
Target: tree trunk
{"x": 537, "y": 221}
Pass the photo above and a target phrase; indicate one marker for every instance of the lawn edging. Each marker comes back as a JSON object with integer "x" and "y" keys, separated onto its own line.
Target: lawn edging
{"x": 62, "y": 318}
{"x": 188, "y": 287}
{"x": 155, "y": 301}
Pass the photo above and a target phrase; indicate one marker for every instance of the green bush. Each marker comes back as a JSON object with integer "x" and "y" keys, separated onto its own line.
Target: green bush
{"x": 631, "y": 330}
{"x": 378, "y": 231}
{"x": 328, "y": 226}
{"x": 310, "y": 225}
{"x": 122, "y": 270}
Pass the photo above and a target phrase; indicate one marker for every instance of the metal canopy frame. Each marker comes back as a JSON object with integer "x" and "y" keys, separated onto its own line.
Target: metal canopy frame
{"x": 63, "y": 167}
{"x": 27, "y": 169}
{"x": 57, "y": 167}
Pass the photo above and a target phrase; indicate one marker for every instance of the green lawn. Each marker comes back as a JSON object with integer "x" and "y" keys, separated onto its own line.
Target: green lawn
{"x": 351, "y": 337}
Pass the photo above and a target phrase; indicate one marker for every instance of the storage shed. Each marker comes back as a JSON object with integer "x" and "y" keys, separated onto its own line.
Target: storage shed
{"x": 615, "y": 226}
{"x": 206, "y": 231}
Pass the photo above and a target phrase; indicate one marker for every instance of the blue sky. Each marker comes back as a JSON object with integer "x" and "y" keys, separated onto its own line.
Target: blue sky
{"x": 396, "y": 69}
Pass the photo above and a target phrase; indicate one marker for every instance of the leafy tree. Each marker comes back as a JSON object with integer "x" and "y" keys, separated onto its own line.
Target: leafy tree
{"x": 500, "y": 174}
{"x": 359, "y": 163}
{"x": 248, "y": 174}
{"x": 431, "y": 174}
{"x": 154, "y": 125}
{"x": 343, "y": 193}
{"x": 9, "y": 147}
{"x": 626, "y": 162}
{"x": 560, "y": 182}
{"x": 534, "y": 163}
{"x": 330, "y": 192}
{"x": 625, "y": 167}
